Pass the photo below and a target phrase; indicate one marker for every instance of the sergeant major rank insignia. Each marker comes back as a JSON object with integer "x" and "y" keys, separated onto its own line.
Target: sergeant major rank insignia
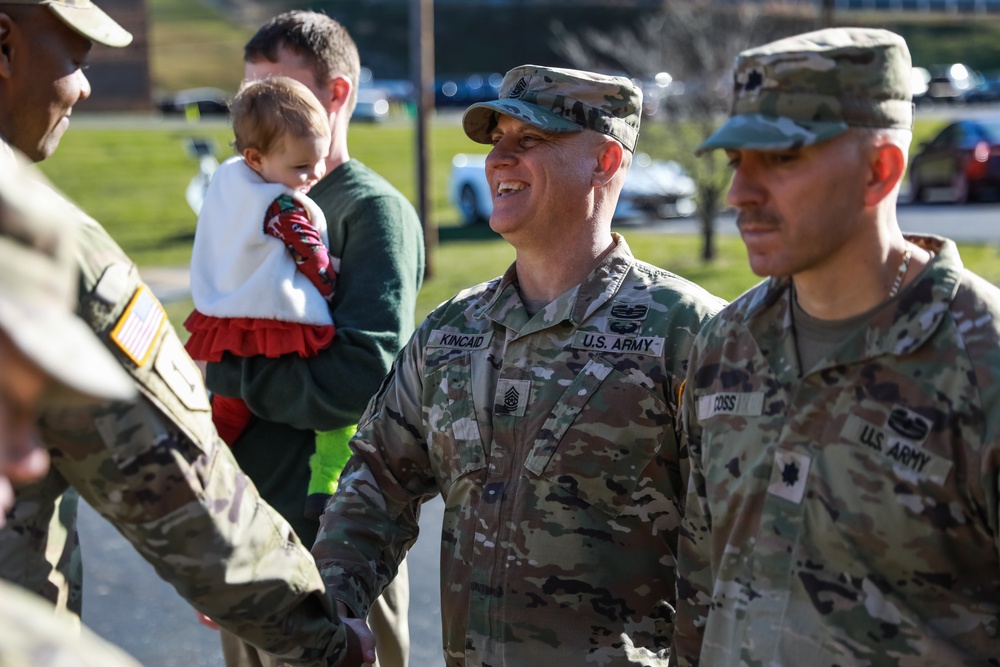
{"x": 511, "y": 397}
{"x": 519, "y": 88}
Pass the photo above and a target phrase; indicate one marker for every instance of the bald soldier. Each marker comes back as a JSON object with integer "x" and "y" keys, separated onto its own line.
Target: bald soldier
{"x": 152, "y": 466}
{"x": 843, "y": 416}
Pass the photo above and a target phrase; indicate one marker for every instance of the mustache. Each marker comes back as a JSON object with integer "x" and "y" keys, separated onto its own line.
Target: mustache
{"x": 757, "y": 217}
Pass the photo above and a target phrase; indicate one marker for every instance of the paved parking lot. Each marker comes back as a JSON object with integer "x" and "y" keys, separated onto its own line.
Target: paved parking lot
{"x": 127, "y": 604}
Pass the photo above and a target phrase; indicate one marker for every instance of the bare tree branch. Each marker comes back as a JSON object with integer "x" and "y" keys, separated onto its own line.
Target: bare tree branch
{"x": 696, "y": 42}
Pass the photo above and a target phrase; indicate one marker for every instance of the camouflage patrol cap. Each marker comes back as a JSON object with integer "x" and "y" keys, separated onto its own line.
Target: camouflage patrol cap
{"x": 561, "y": 100}
{"x": 38, "y": 286}
{"x": 809, "y": 88}
{"x": 84, "y": 17}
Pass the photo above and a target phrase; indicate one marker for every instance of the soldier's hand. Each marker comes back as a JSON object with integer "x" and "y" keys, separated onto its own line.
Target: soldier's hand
{"x": 359, "y": 637}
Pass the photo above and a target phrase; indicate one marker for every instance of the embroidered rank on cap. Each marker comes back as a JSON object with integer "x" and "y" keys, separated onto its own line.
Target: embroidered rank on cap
{"x": 519, "y": 88}
{"x": 139, "y": 325}
{"x": 605, "y": 342}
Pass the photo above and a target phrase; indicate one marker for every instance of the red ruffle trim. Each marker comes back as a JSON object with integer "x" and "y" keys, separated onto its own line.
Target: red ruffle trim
{"x": 249, "y": 337}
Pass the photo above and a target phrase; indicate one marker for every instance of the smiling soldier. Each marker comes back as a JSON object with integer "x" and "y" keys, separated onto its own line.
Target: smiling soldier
{"x": 551, "y": 438}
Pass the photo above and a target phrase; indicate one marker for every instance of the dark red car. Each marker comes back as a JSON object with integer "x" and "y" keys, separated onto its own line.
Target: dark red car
{"x": 963, "y": 159}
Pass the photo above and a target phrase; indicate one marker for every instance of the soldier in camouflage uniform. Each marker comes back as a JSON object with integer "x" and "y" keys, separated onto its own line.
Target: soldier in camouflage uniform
{"x": 46, "y": 355}
{"x": 152, "y": 466}
{"x": 844, "y": 415}
{"x": 541, "y": 405}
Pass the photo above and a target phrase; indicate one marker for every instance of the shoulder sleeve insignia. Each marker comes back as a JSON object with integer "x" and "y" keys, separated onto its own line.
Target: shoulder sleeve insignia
{"x": 139, "y": 325}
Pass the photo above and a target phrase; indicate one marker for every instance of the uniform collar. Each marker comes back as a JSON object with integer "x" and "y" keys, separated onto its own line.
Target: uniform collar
{"x": 899, "y": 329}
{"x": 503, "y": 303}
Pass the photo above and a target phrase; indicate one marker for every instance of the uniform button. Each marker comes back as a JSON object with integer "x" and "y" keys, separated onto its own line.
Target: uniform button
{"x": 493, "y": 492}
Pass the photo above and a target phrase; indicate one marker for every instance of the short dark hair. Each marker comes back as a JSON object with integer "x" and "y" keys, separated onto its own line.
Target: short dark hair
{"x": 321, "y": 40}
{"x": 266, "y": 110}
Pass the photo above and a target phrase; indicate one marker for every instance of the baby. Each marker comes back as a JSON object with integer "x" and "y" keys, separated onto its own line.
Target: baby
{"x": 261, "y": 273}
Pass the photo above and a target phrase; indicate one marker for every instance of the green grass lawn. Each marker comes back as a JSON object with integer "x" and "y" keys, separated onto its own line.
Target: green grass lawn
{"x": 131, "y": 176}
{"x": 462, "y": 264}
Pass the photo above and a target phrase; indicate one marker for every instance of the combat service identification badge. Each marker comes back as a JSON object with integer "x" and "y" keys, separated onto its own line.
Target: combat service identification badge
{"x": 139, "y": 325}
{"x": 181, "y": 375}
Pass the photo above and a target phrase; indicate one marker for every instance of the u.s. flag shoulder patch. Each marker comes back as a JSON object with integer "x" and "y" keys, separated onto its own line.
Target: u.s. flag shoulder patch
{"x": 138, "y": 326}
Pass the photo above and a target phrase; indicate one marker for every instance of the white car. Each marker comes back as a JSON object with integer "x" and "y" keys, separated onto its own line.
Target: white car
{"x": 653, "y": 188}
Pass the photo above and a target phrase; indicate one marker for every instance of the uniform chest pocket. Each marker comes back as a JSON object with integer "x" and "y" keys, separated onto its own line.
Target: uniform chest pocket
{"x": 455, "y": 443}
{"x": 600, "y": 437}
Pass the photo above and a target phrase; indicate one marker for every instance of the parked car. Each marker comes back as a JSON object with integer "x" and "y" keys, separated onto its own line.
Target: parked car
{"x": 653, "y": 188}
{"x": 207, "y": 101}
{"x": 372, "y": 105}
{"x": 987, "y": 91}
{"x": 964, "y": 159}
{"x": 947, "y": 83}
{"x": 466, "y": 89}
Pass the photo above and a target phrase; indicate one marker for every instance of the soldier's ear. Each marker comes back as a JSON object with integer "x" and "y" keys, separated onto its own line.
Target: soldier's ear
{"x": 886, "y": 166}
{"x": 609, "y": 161}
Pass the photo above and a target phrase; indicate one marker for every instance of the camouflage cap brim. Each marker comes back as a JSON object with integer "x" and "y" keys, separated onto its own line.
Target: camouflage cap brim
{"x": 480, "y": 118}
{"x": 562, "y": 100}
{"x": 769, "y": 133}
{"x": 808, "y": 88}
{"x": 90, "y": 21}
{"x": 86, "y": 18}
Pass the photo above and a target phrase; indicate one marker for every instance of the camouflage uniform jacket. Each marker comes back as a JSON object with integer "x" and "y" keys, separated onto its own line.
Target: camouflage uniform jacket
{"x": 32, "y": 635}
{"x": 849, "y": 516}
{"x": 553, "y": 440}
{"x": 156, "y": 470}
